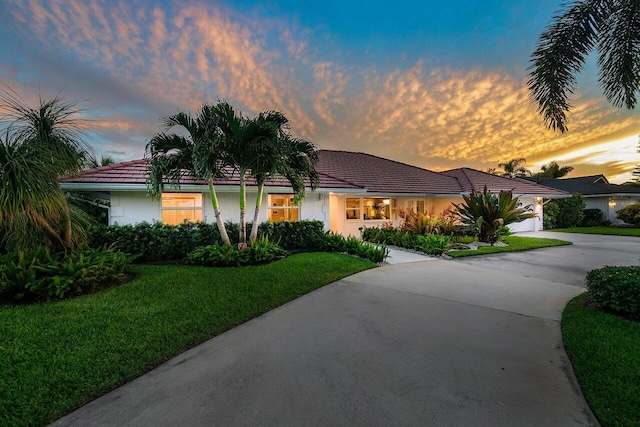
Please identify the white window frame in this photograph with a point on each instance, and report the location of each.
(195, 208)
(293, 206)
(393, 208)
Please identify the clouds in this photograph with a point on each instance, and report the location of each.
(137, 61)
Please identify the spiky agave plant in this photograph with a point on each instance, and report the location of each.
(483, 213)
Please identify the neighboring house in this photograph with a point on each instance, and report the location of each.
(356, 190)
(598, 193)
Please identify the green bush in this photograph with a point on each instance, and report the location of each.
(564, 213)
(293, 236)
(42, 275)
(630, 214)
(484, 213)
(261, 251)
(591, 218)
(433, 244)
(550, 214)
(161, 242)
(333, 242)
(616, 289)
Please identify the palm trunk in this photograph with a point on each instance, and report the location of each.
(256, 215)
(243, 208)
(216, 210)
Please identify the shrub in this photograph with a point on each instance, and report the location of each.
(333, 242)
(564, 213)
(484, 213)
(550, 214)
(630, 214)
(40, 274)
(161, 242)
(445, 223)
(293, 236)
(616, 289)
(591, 218)
(433, 244)
(261, 251)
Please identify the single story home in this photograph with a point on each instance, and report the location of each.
(356, 190)
(598, 193)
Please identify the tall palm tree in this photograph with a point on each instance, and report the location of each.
(610, 27)
(513, 168)
(37, 146)
(291, 158)
(246, 143)
(199, 154)
(553, 170)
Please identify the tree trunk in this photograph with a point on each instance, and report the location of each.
(243, 208)
(256, 215)
(216, 210)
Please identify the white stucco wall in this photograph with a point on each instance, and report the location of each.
(131, 207)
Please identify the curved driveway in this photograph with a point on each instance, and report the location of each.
(472, 342)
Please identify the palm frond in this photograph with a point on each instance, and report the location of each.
(619, 54)
(560, 55)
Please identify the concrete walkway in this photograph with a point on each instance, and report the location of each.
(421, 343)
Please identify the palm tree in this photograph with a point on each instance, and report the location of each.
(246, 143)
(553, 170)
(199, 154)
(513, 168)
(93, 162)
(291, 158)
(610, 27)
(37, 146)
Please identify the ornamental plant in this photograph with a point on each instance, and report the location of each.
(630, 214)
(484, 213)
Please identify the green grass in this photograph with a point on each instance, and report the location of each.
(515, 243)
(612, 231)
(605, 353)
(58, 356)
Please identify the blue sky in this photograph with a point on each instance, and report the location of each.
(432, 84)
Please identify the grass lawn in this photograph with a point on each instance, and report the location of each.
(605, 353)
(613, 231)
(58, 356)
(515, 243)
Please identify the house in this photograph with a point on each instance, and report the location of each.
(598, 193)
(356, 190)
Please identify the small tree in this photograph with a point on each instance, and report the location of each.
(37, 147)
(569, 212)
(483, 213)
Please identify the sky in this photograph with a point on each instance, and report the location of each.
(439, 84)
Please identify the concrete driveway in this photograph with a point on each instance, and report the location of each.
(443, 343)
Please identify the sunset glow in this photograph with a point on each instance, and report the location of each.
(422, 84)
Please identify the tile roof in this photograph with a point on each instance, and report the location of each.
(344, 170)
(594, 185)
(135, 172)
(378, 174)
(472, 179)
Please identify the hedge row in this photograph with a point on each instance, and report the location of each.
(161, 242)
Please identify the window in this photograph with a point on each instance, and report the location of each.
(180, 207)
(372, 208)
(282, 208)
(353, 208)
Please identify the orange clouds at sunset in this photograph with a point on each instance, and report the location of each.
(141, 61)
